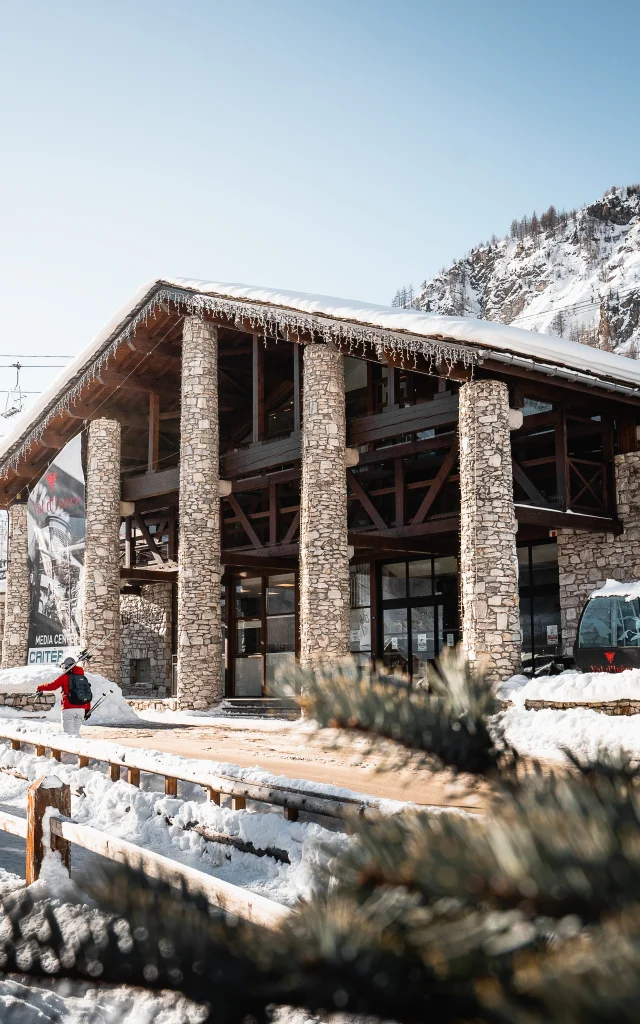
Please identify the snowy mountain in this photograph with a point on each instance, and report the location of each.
(576, 275)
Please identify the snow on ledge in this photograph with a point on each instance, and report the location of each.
(574, 686)
(630, 591)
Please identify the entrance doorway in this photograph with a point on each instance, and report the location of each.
(262, 633)
(419, 604)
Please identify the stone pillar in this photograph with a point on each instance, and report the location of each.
(488, 566)
(200, 678)
(324, 558)
(586, 559)
(18, 595)
(101, 589)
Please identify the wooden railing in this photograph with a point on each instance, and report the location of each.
(293, 801)
(50, 794)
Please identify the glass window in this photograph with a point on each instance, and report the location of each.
(275, 665)
(445, 566)
(248, 676)
(360, 586)
(395, 641)
(248, 636)
(281, 594)
(524, 575)
(394, 581)
(360, 629)
(248, 597)
(281, 633)
(423, 639)
(611, 622)
(420, 582)
(355, 373)
(532, 406)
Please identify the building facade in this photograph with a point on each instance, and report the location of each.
(273, 476)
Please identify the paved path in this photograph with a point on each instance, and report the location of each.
(293, 749)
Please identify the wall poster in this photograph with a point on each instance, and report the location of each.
(56, 525)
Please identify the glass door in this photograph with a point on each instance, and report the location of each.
(419, 612)
(263, 631)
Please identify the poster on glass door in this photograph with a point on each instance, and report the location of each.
(56, 530)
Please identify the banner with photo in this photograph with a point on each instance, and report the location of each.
(56, 522)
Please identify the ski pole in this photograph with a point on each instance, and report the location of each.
(97, 704)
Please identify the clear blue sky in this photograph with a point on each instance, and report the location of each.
(338, 146)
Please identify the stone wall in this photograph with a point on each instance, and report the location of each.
(146, 635)
(200, 676)
(586, 559)
(3, 602)
(153, 703)
(488, 566)
(324, 557)
(17, 606)
(101, 589)
(28, 701)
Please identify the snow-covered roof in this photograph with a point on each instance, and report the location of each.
(470, 338)
(630, 591)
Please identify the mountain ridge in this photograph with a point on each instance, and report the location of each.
(574, 275)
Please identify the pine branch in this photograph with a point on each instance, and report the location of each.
(446, 717)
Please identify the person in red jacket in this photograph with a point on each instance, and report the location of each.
(73, 715)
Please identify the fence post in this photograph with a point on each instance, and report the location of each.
(48, 791)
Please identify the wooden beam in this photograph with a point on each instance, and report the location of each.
(527, 485)
(246, 525)
(365, 501)
(154, 431)
(265, 563)
(562, 466)
(138, 574)
(258, 389)
(273, 516)
(439, 411)
(438, 483)
(148, 485)
(151, 544)
(446, 524)
(398, 471)
(556, 520)
(293, 528)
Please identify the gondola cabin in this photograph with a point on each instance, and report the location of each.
(608, 638)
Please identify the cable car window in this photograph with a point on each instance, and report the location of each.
(610, 622)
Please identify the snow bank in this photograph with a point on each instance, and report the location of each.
(113, 710)
(544, 734)
(581, 687)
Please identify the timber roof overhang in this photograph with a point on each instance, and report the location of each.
(443, 341)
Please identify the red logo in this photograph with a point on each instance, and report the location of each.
(51, 479)
(610, 655)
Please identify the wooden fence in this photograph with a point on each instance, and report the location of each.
(293, 801)
(60, 832)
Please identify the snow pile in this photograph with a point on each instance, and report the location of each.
(580, 687)
(113, 710)
(546, 734)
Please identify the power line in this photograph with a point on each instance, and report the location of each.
(35, 366)
(15, 355)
